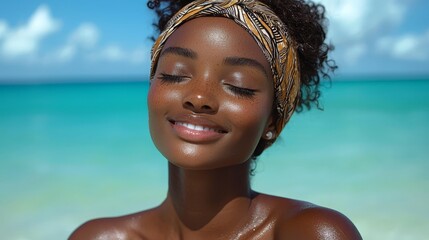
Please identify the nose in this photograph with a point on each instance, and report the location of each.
(201, 99)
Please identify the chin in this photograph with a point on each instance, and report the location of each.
(197, 157)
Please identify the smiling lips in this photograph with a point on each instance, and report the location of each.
(191, 126)
(197, 130)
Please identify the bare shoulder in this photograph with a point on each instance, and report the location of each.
(307, 221)
(127, 227)
(104, 229)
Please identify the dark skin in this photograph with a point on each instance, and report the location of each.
(199, 80)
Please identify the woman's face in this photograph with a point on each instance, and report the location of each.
(211, 97)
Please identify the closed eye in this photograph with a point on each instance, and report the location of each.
(242, 92)
(168, 78)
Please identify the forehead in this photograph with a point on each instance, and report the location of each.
(219, 33)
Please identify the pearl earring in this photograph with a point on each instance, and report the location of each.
(269, 135)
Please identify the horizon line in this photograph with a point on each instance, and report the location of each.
(145, 78)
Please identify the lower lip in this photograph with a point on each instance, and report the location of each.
(195, 136)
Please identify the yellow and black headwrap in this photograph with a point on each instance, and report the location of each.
(269, 33)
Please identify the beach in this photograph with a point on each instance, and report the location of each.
(76, 151)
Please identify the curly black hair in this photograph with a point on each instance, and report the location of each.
(306, 23)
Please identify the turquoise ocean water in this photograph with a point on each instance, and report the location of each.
(72, 152)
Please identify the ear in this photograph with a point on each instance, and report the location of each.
(270, 132)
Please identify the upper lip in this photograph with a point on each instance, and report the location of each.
(197, 120)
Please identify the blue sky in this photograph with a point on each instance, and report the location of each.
(81, 39)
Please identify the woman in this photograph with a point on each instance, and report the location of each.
(226, 77)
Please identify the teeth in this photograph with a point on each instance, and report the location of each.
(195, 127)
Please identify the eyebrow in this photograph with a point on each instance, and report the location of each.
(184, 52)
(231, 61)
(240, 61)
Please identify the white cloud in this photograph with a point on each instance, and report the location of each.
(354, 52)
(115, 53)
(139, 55)
(65, 53)
(346, 17)
(86, 35)
(3, 29)
(82, 43)
(84, 38)
(351, 19)
(24, 40)
(355, 25)
(112, 53)
(406, 47)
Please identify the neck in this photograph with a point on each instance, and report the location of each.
(198, 196)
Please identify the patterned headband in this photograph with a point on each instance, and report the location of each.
(268, 31)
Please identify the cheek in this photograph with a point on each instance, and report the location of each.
(158, 96)
(153, 107)
(250, 115)
(159, 100)
(151, 97)
(250, 121)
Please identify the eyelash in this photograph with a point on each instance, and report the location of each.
(242, 92)
(168, 78)
(239, 91)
